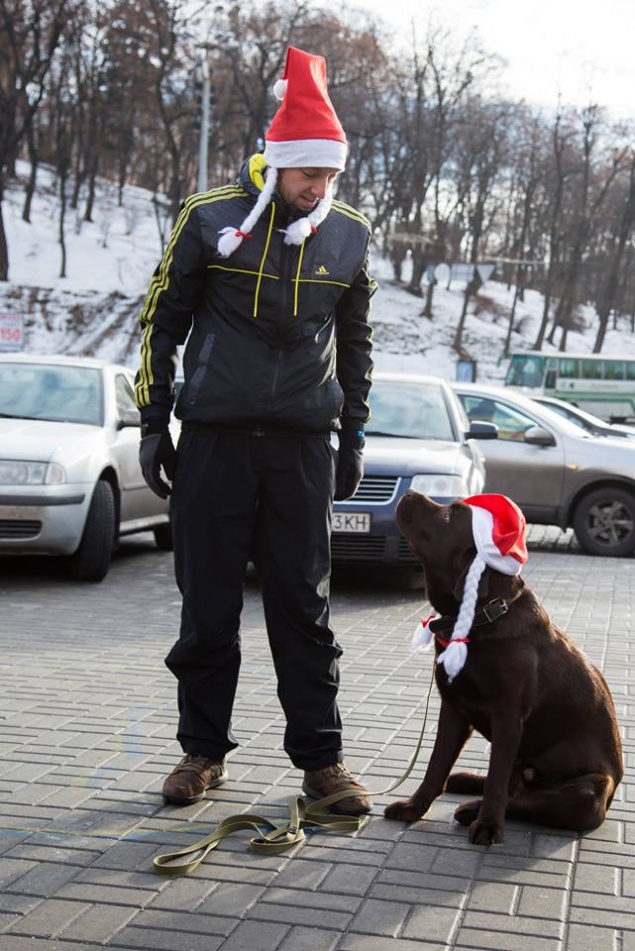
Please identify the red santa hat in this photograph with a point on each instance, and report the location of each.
(498, 529)
(304, 133)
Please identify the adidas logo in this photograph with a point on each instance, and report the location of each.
(321, 270)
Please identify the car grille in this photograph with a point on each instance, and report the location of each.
(376, 489)
(352, 548)
(19, 528)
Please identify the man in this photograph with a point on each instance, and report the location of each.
(278, 357)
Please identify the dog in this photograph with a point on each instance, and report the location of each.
(511, 675)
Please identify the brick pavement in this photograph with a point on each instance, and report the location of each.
(88, 719)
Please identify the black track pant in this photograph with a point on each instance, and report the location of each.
(268, 498)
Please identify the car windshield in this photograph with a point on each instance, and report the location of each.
(48, 391)
(408, 409)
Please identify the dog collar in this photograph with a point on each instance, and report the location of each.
(489, 613)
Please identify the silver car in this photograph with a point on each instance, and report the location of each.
(70, 481)
(592, 424)
(558, 473)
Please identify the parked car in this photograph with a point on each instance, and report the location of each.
(556, 472)
(592, 424)
(418, 437)
(70, 481)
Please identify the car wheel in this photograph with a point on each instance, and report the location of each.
(163, 537)
(604, 522)
(92, 559)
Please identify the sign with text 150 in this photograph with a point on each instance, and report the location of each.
(11, 331)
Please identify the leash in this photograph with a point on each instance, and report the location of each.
(273, 839)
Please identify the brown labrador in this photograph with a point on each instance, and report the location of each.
(556, 754)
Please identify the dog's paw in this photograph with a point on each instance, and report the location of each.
(482, 834)
(467, 812)
(404, 810)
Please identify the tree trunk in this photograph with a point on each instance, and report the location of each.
(4, 251)
(30, 188)
(427, 310)
(62, 238)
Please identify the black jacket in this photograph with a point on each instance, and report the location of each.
(278, 334)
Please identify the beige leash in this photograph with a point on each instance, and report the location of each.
(273, 839)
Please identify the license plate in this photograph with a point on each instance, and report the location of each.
(351, 521)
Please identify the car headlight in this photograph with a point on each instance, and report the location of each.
(16, 472)
(440, 486)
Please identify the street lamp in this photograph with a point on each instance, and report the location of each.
(203, 144)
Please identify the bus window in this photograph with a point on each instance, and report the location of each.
(630, 370)
(591, 369)
(568, 368)
(614, 371)
(525, 370)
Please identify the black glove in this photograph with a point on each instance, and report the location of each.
(350, 463)
(156, 450)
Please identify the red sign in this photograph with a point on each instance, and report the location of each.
(11, 332)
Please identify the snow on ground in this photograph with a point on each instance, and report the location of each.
(94, 309)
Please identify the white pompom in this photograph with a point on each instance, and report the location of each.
(280, 88)
(422, 635)
(298, 231)
(229, 242)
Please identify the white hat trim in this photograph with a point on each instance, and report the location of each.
(483, 531)
(306, 153)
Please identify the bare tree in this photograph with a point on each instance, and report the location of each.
(29, 34)
(483, 146)
(609, 291)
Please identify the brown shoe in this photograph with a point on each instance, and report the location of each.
(334, 779)
(194, 774)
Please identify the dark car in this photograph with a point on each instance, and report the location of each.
(418, 437)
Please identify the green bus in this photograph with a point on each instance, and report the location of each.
(600, 384)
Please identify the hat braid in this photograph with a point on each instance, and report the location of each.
(454, 656)
(232, 238)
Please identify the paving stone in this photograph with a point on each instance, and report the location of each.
(49, 918)
(380, 917)
(256, 936)
(45, 879)
(99, 924)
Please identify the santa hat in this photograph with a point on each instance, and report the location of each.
(498, 528)
(304, 133)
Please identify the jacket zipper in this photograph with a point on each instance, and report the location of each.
(285, 271)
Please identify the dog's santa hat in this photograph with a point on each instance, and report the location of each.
(304, 133)
(498, 529)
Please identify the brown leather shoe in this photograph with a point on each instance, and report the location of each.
(334, 779)
(194, 774)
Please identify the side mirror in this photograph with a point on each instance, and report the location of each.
(537, 436)
(482, 430)
(131, 417)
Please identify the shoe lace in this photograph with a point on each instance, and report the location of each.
(195, 764)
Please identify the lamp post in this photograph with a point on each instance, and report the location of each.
(205, 109)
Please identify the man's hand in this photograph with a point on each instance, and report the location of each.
(157, 450)
(350, 463)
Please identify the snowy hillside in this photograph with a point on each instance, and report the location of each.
(93, 310)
